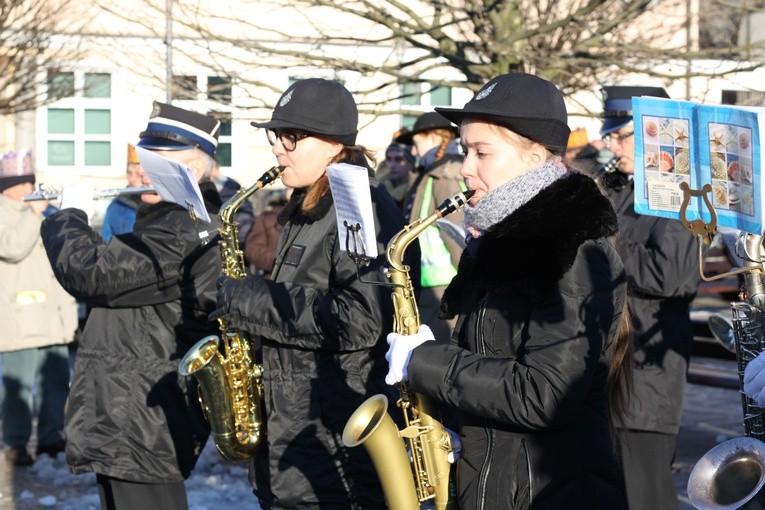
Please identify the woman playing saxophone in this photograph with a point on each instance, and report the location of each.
(536, 362)
(322, 325)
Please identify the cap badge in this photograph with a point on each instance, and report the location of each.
(286, 98)
(155, 110)
(482, 94)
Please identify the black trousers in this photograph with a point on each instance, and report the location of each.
(118, 494)
(647, 462)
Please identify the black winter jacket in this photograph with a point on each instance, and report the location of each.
(323, 333)
(539, 301)
(130, 414)
(661, 259)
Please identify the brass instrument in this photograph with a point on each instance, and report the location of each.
(406, 485)
(732, 474)
(43, 194)
(230, 384)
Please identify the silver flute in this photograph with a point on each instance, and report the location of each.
(43, 194)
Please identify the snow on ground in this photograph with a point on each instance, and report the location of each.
(214, 484)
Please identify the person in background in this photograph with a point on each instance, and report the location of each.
(120, 214)
(264, 235)
(538, 365)
(244, 216)
(37, 321)
(583, 154)
(437, 178)
(132, 419)
(398, 167)
(661, 259)
(321, 322)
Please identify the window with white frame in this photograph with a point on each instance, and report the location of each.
(412, 95)
(215, 92)
(79, 122)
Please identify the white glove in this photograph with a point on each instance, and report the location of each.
(754, 379)
(400, 351)
(454, 455)
(79, 196)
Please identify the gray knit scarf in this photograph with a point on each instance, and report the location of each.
(499, 203)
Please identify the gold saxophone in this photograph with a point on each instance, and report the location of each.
(406, 484)
(230, 384)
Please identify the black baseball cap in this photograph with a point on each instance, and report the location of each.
(526, 104)
(617, 104)
(171, 129)
(317, 106)
(427, 122)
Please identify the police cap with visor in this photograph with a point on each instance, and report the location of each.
(617, 104)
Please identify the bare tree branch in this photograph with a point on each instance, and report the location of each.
(577, 44)
(33, 48)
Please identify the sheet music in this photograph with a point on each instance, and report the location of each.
(174, 182)
(353, 203)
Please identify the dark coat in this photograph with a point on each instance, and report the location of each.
(539, 301)
(323, 332)
(262, 239)
(661, 259)
(130, 414)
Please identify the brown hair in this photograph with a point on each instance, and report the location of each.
(353, 154)
(620, 374)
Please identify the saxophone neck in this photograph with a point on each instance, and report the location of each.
(397, 246)
(228, 209)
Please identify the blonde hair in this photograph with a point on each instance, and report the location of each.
(447, 135)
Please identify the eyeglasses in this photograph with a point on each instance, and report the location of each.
(616, 137)
(288, 139)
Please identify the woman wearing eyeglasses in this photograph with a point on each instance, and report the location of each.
(322, 328)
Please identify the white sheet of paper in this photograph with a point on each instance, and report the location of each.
(353, 204)
(173, 181)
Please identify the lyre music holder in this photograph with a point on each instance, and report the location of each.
(354, 245)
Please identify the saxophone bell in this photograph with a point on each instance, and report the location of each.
(732, 474)
(371, 426)
(205, 362)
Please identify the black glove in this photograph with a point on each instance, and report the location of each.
(226, 288)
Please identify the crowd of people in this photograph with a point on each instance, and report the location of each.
(555, 334)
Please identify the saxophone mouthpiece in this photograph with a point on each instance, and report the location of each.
(454, 203)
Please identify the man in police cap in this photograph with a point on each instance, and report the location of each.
(131, 419)
(660, 257)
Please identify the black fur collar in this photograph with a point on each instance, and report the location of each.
(539, 241)
(292, 207)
